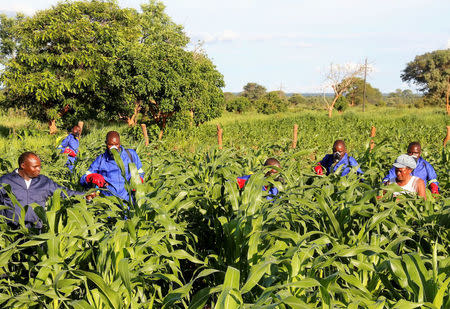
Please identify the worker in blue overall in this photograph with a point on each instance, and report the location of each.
(272, 191)
(423, 169)
(70, 146)
(338, 160)
(105, 173)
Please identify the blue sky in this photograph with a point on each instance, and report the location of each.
(288, 44)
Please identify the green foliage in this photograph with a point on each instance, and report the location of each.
(272, 102)
(297, 99)
(253, 91)
(56, 67)
(403, 97)
(238, 104)
(431, 72)
(355, 93)
(192, 238)
(94, 60)
(341, 104)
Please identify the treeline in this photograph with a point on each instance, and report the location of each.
(255, 97)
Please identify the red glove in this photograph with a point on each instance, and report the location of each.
(142, 179)
(318, 169)
(70, 152)
(434, 188)
(96, 179)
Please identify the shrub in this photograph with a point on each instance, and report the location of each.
(238, 104)
(272, 103)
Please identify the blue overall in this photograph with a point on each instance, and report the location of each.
(347, 162)
(272, 191)
(105, 165)
(73, 143)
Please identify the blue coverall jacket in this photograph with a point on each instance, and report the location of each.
(347, 162)
(40, 189)
(73, 143)
(105, 165)
(423, 170)
(272, 191)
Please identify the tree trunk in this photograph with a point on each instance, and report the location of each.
(52, 126)
(330, 112)
(132, 121)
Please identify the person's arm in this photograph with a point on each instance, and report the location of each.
(138, 163)
(93, 169)
(421, 188)
(390, 175)
(432, 178)
(64, 144)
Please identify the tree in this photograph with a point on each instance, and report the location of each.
(238, 104)
(340, 78)
(297, 99)
(157, 76)
(272, 102)
(431, 72)
(55, 58)
(253, 91)
(92, 59)
(354, 93)
(341, 104)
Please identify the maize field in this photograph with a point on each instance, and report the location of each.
(191, 238)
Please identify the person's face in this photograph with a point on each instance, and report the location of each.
(414, 151)
(271, 172)
(339, 151)
(31, 167)
(402, 173)
(76, 131)
(113, 141)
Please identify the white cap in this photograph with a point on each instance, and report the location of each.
(405, 160)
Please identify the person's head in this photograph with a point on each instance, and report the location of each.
(76, 131)
(414, 150)
(339, 150)
(112, 140)
(404, 165)
(29, 165)
(272, 162)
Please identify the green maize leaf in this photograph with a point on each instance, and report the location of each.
(124, 273)
(230, 298)
(111, 296)
(439, 298)
(256, 273)
(404, 304)
(232, 194)
(201, 297)
(81, 304)
(294, 302)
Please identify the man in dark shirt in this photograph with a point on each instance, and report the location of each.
(29, 187)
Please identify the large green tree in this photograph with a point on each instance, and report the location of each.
(431, 72)
(54, 59)
(92, 59)
(253, 91)
(355, 92)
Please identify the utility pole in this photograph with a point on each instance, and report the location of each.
(364, 90)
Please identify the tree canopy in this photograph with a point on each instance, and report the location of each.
(354, 93)
(253, 91)
(93, 59)
(431, 72)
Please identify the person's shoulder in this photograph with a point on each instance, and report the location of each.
(352, 159)
(6, 177)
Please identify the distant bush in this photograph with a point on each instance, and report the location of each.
(297, 99)
(272, 103)
(341, 104)
(238, 104)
